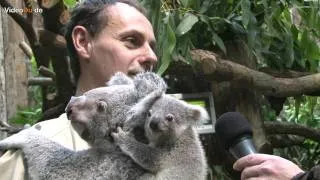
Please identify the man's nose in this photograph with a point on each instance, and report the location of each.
(149, 59)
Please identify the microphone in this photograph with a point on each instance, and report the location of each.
(235, 133)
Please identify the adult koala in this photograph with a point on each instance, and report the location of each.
(111, 103)
(94, 115)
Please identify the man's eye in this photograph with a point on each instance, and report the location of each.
(132, 42)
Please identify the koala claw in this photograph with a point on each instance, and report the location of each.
(120, 136)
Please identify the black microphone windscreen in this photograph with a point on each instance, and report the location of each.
(230, 127)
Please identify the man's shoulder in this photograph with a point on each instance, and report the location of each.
(52, 127)
(61, 131)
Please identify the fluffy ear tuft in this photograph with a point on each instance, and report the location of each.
(148, 82)
(198, 113)
(119, 78)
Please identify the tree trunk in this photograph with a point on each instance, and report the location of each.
(3, 107)
(13, 66)
(229, 97)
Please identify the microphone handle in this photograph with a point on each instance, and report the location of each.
(243, 148)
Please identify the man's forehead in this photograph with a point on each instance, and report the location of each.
(123, 18)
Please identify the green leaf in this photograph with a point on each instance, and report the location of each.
(289, 51)
(246, 13)
(219, 42)
(70, 3)
(205, 6)
(186, 24)
(168, 47)
(313, 51)
(297, 102)
(185, 3)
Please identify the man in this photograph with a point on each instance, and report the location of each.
(103, 37)
(271, 167)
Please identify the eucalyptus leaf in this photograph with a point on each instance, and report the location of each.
(205, 6)
(246, 13)
(186, 24)
(168, 47)
(70, 3)
(219, 42)
(184, 3)
(289, 51)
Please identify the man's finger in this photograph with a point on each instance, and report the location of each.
(249, 160)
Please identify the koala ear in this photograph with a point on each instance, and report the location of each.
(198, 113)
(119, 78)
(102, 106)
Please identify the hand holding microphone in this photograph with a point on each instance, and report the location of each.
(235, 133)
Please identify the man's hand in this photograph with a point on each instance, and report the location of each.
(263, 166)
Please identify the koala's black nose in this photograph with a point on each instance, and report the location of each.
(154, 125)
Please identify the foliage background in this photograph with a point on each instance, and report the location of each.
(281, 35)
(278, 35)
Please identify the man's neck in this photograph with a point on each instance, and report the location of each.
(84, 84)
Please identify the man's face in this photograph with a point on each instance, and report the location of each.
(125, 44)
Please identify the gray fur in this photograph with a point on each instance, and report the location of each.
(94, 115)
(47, 160)
(113, 102)
(174, 150)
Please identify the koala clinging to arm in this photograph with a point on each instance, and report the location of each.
(48, 160)
(174, 150)
(94, 115)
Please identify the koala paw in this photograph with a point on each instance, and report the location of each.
(120, 137)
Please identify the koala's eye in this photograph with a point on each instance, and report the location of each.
(169, 117)
(149, 113)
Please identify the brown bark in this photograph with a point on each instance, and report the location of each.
(284, 140)
(218, 69)
(40, 81)
(49, 3)
(52, 40)
(294, 129)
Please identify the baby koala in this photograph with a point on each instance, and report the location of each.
(174, 150)
(99, 111)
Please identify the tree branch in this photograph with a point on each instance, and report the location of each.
(48, 38)
(293, 129)
(222, 70)
(283, 141)
(8, 128)
(44, 71)
(22, 22)
(26, 49)
(53, 112)
(284, 74)
(49, 3)
(42, 81)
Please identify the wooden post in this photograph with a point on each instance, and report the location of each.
(3, 105)
(13, 66)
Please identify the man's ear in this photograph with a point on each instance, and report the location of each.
(82, 41)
